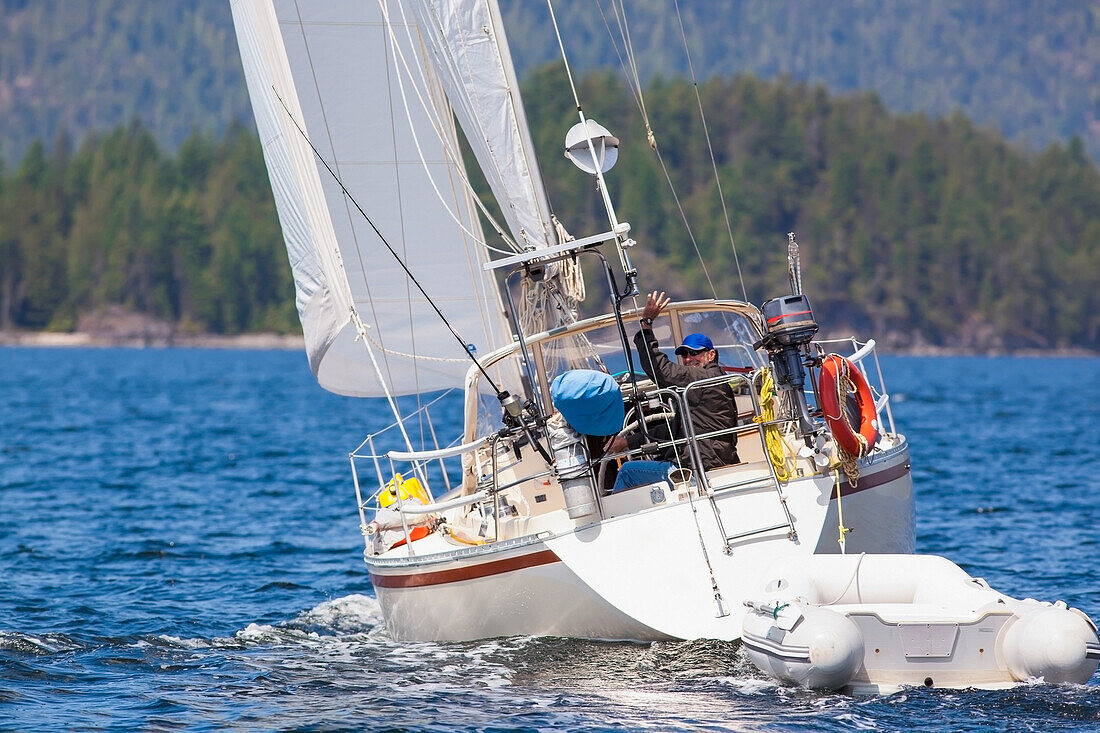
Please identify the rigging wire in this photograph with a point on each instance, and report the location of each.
(634, 81)
(423, 408)
(453, 155)
(564, 58)
(601, 183)
(403, 221)
(624, 32)
(361, 328)
(408, 273)
(710, 149)
(455, 169)
(563, 286)
(570, 285)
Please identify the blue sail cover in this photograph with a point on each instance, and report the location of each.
(590, 401)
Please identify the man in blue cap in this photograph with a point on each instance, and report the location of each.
(712, 408)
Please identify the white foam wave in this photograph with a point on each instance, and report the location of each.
(750, 685)
(860, 722)
(258, 634)
(25, 643)
(329, 621)
(183, 643)
(352, 614)
(348, 616)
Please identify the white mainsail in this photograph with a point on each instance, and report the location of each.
(330, 69)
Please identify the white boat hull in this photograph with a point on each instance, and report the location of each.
(524, 590)
(651, 574)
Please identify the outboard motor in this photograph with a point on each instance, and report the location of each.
(789, 325)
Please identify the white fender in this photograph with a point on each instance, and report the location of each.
(805, 645)
(1055, 643)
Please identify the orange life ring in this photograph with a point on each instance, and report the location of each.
(848, 406)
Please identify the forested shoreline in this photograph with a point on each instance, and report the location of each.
(930, 230)
(189, 239)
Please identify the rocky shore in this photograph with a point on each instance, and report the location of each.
(295, 342)
(198, 341)
(116, 327)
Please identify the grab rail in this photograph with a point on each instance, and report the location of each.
(776, 484)
(431, 455)
(864, 351)
(443, 505)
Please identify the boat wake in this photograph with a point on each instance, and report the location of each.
(352, 628)
(337, 662)
(352, 618)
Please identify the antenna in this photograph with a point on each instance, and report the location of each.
(584, 136)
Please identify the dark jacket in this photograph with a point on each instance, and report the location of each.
(712, 408)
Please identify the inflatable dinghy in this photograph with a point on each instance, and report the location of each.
(876, 623)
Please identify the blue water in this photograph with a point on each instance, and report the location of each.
(179, 550)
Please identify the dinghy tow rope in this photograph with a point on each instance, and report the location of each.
(855, 572)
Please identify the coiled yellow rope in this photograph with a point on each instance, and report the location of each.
(773, 437)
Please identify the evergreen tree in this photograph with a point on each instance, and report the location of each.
(927, 229)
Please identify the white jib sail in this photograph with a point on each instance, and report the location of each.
(469, 50)
(330, 68)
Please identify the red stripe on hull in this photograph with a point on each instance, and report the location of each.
(415, 580)
(869, 482)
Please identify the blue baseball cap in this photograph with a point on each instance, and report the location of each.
(694, 342)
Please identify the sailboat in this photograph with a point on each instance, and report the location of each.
(510, 527)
